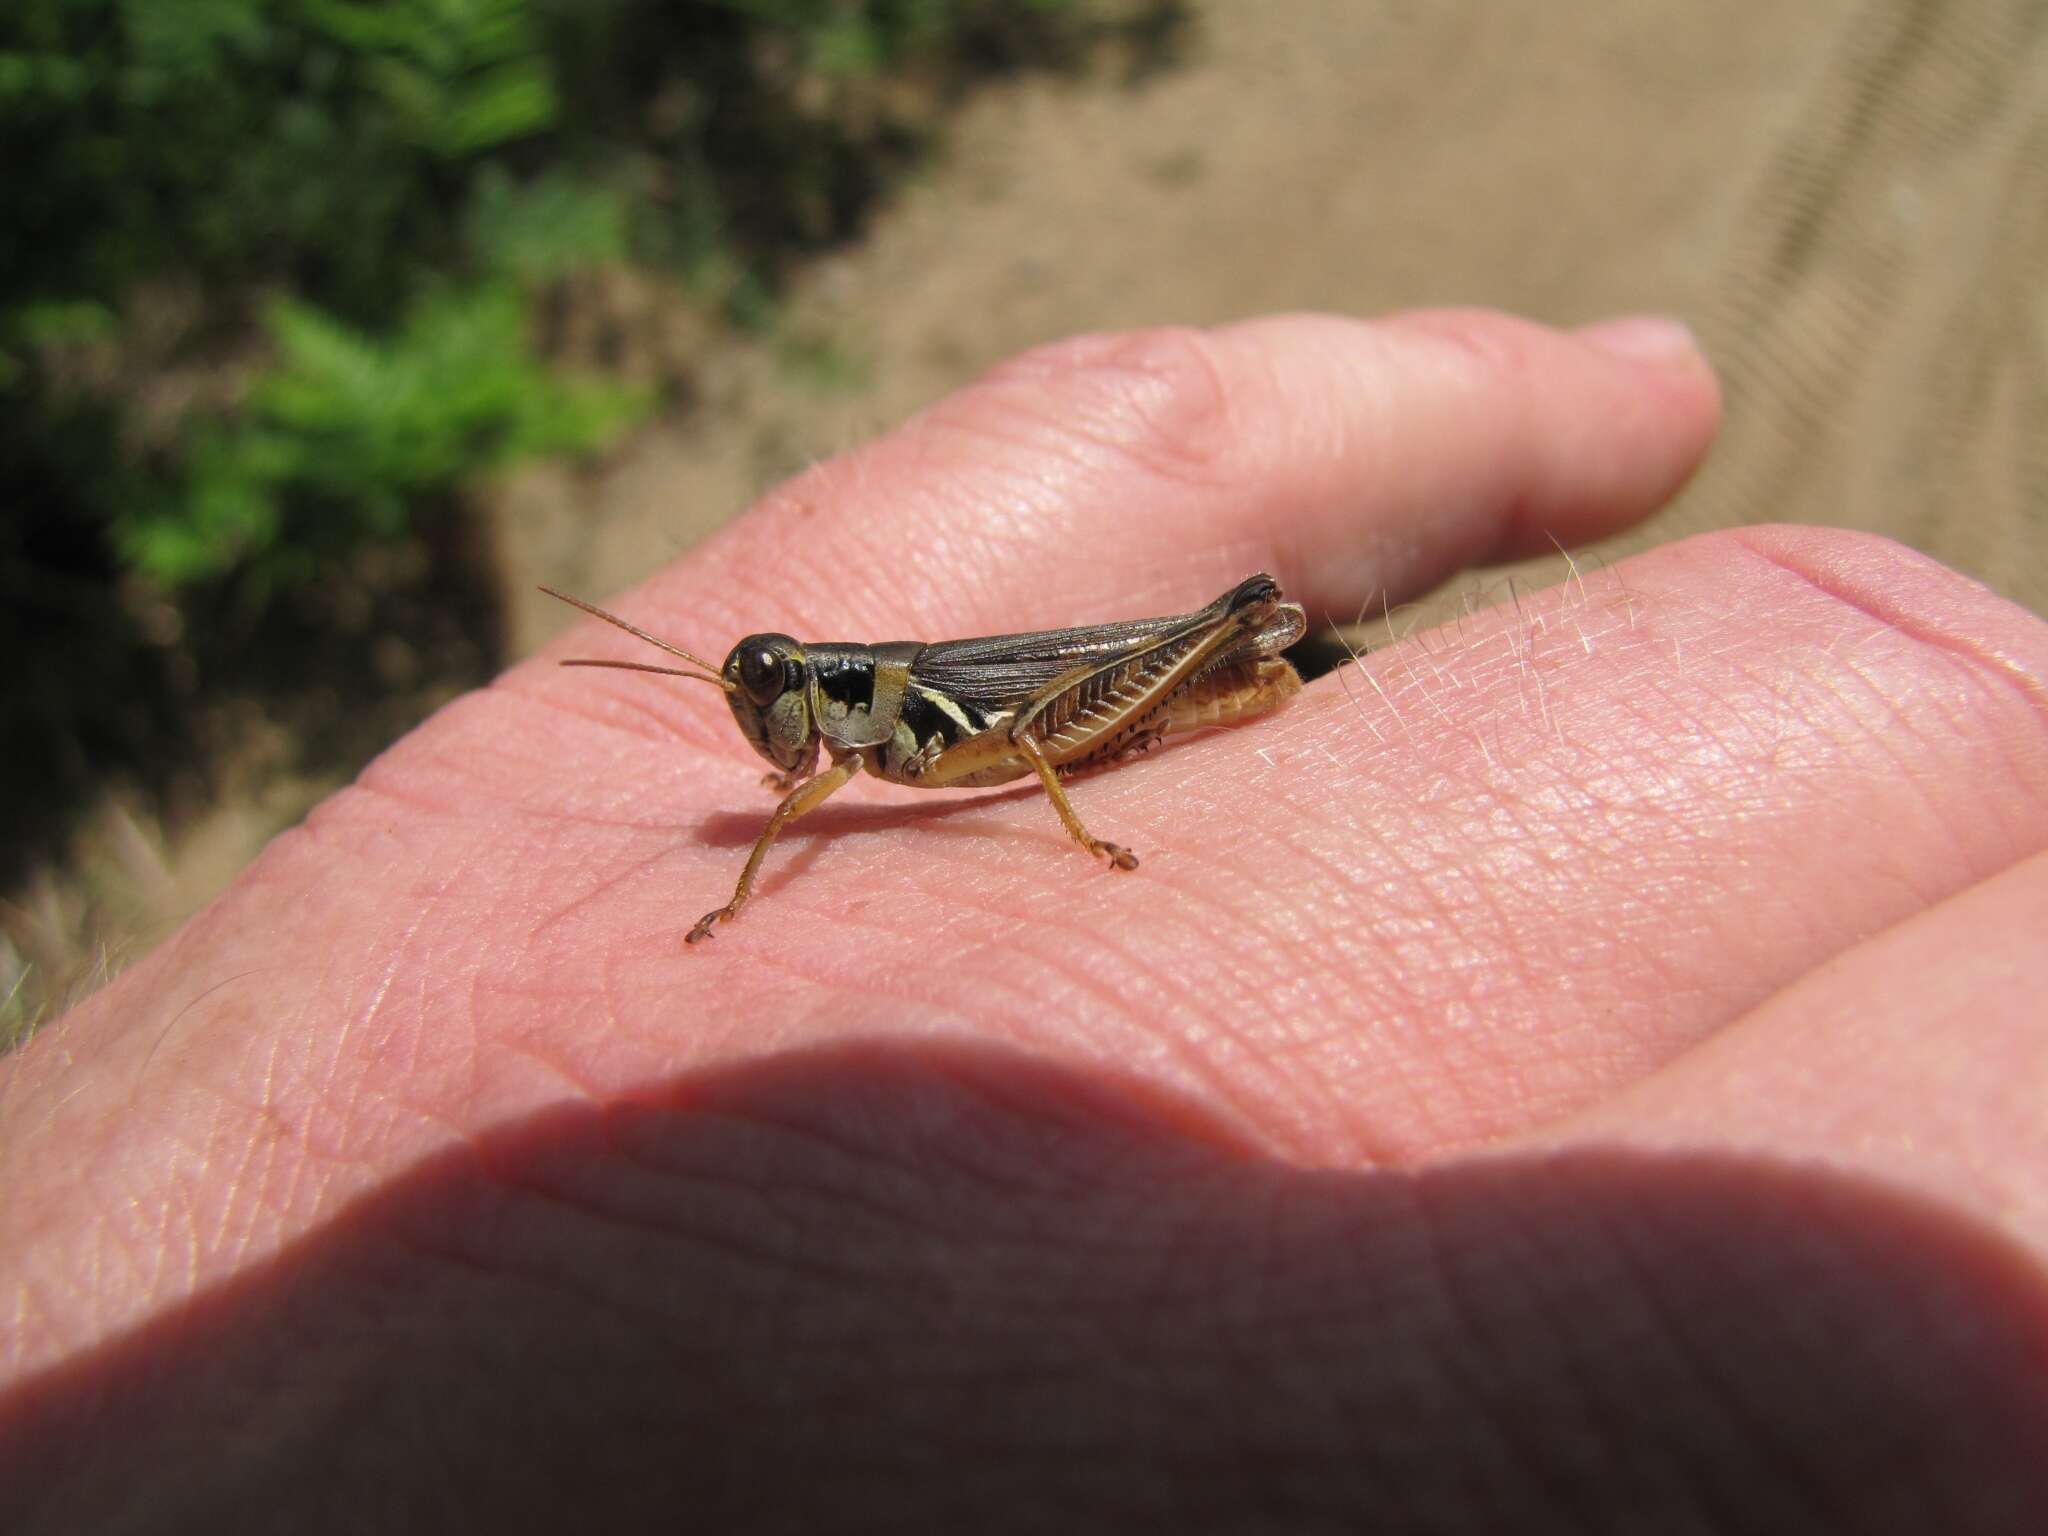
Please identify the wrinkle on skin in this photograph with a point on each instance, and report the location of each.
(1158, 401)
(647, 717)
(1868, 577)
(1892, 1058)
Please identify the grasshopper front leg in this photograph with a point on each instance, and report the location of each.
(806, 797)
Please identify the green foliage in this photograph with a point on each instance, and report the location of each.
(868, 38)
(267, 264)
(459, 76)
(406, 173)
(545, 228)
(350, 430)
(305, 140)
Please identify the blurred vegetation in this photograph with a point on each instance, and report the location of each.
(268, 285)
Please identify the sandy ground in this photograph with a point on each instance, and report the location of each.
(1847, 198)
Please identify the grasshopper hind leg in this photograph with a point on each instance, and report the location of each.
(1235, 691)
(1119, 856)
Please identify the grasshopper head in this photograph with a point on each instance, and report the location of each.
(765, 685)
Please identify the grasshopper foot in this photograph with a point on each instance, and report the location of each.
(704, 923)
(1119, 856)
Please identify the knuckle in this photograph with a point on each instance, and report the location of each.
(1159, 398)
(1945, 616)
(1487, 348)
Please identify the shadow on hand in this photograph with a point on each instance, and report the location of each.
(899, 1283)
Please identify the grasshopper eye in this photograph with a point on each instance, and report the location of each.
(761, 675)
(766, 667)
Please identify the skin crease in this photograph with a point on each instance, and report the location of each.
(1580, 1069)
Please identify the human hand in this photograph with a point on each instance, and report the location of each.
(1583, 1069)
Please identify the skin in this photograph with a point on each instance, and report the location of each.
(1583, 1071)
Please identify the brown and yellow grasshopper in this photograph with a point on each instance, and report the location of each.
(964, 714)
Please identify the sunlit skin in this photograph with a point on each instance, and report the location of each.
(1585, 1063)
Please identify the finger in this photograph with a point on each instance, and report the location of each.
(1137, 473)
(1916, 1058)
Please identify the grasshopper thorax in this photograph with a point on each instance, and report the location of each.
(770, 698)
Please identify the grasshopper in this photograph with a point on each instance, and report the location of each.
(964, 714)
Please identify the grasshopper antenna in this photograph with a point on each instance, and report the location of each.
(710, 674)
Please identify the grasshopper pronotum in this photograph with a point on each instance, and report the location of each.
(963, 714)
